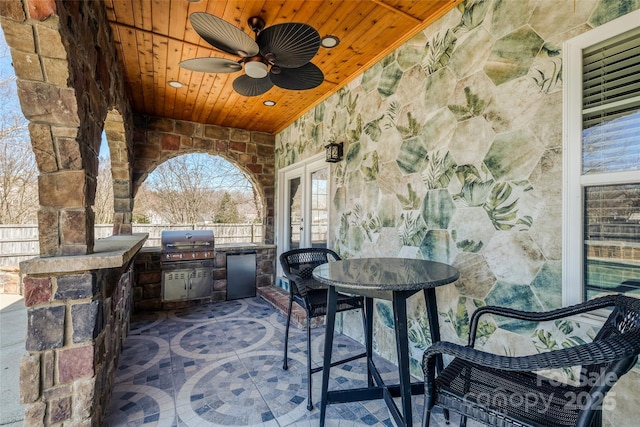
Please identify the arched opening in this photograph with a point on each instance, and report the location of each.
(114, 187)
(103, 204)
(200, 190)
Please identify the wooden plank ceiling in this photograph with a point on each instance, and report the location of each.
(152, 37)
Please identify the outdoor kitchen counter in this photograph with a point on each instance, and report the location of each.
(233, 247)
(147, 292)
(109, 252)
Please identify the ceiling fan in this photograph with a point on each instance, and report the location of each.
(279, 56)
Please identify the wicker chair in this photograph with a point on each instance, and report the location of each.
(506, 391)
(298, 265)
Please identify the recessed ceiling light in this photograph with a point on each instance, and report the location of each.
(176, 84)
(329, 41)
(269, 103)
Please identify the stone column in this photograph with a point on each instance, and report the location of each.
(78, 307)
(119, 143)
(76, 326)
(66, 186)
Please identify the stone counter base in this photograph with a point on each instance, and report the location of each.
(147, 286)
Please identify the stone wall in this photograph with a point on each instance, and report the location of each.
(159, 139)
(68, 80)
(76, 326)
(147, 288)
(71, 88)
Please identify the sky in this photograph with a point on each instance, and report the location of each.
(6, 72)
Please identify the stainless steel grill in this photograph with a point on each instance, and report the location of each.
(187, 264)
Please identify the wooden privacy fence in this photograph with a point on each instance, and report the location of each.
(19, 242)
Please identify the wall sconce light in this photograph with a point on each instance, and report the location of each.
(333, 152)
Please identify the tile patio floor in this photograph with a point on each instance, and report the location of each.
(221, 365)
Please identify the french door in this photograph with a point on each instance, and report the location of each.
(304, 206)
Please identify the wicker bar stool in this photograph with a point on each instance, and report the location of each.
(298, 265)
(506, 391)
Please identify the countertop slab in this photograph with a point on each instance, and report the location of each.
(109, 252)
(231, 247)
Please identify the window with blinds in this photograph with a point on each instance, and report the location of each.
(611, 105)
(610, 146)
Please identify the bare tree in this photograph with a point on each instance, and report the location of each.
(18, 169)
(248, 206)
(187, 189)
(103, 205)
(13, 125)
(18, 183)
(142, 207)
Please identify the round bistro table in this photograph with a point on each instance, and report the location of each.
(391, 279)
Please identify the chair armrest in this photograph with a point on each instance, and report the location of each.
(303, 285)
(294, 282)
(606, 350)
(292, 277)
(585, 307)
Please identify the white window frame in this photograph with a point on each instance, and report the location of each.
(573, 180)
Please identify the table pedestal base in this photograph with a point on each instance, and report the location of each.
(377, 389)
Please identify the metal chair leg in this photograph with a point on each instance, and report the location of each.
(426, 417)
(309, 400)
(285, 365)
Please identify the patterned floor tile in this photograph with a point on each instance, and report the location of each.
(221, 365)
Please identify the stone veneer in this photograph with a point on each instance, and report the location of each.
(160, 139)
(66, 378)
(78, 311)
(71, 89)
(147, 288)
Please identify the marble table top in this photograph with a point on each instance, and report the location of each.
(372, 275)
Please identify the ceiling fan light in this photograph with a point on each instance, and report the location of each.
(255, 69)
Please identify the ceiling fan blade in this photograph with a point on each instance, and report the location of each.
(222, 35)
(306, 77)
(293, 43)
(248, 86)
(211, 65)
